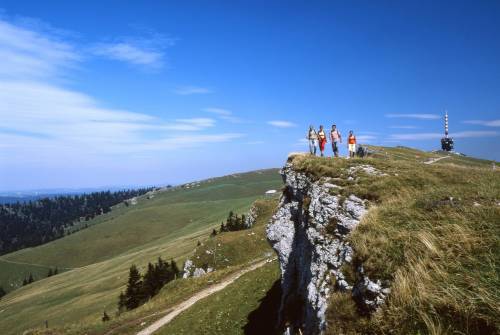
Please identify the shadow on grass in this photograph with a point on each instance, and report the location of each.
(264, 319)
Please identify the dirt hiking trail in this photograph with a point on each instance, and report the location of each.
(178, 309)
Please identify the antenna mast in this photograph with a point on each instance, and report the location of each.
(446, 124)
(446, 141)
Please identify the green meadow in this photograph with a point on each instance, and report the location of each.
(96, 260)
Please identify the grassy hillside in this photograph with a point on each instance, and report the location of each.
(433, 231)
(240, 248)
(248, 306)
(169, 225)
(169, 215)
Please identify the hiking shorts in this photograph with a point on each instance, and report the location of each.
(352, 147)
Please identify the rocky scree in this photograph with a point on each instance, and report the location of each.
(310, 258)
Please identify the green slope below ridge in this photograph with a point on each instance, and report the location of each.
(168, 225)
(173, 213)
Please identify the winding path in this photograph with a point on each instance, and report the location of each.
(434, 160)
(178, 309)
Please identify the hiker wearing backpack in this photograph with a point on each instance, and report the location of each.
(335, 137)
(312, 137)
(322, 140)
(351, 144)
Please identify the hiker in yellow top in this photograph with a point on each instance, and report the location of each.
(312, 137)
(352, 144)
(335, 137)
(322, 140)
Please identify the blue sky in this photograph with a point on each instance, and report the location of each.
(151, 92)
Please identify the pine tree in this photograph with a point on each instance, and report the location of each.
(50, 273)
(25, 282)
(164, 273)
(230, 220)
(105, 317)
(150, 284)
(56, 271)
(174, 268)
(214, 233)
(122, 302)
(133, 293)
(2, 292)
(223, 227)
(30, 279)
(198, 244)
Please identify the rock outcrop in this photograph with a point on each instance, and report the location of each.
(190, 270)
(251, 217)
(309, 233)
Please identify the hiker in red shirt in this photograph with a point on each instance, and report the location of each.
(351, 144)
(321, 140)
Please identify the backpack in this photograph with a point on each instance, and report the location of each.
(362, 151)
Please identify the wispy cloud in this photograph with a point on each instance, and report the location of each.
(130, 53)
(431, 136)
(147, 51)
(403, 127)
(281, 124)
(223, 114)
(218, 111)
(191, 124)
(190, 90)
(415, 116)
(53, 121)
(28, 54)
(487, 123)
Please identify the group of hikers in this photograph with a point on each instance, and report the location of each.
(319, 138)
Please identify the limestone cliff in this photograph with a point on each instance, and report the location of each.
(309, 233)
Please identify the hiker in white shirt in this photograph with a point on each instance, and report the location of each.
(335, 137)
(312, 137)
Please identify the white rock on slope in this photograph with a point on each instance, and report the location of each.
(251, 217)
(198, 272)
(188, 268)
(310, 259)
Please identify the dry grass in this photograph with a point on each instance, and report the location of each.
(433, 231)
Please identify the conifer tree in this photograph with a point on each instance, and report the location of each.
(164, 272)
(56, 271)
(174, 268)
(222, 227)
(105, 317)
(50, 273)
(25, 282)
(30, 279)
(2, 292)
(150, 284)
(122, 302)
(133, 293)
(214, 233)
